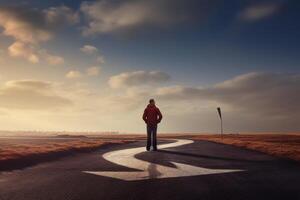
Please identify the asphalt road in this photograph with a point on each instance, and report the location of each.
(259, 176)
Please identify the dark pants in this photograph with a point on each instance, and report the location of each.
(151, 136)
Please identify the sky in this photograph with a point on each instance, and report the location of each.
(71, 65)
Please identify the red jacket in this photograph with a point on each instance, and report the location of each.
(152, 115)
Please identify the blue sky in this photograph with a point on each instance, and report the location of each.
(197, 49)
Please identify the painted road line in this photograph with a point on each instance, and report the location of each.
(148, 170)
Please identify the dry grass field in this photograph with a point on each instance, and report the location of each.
(280, 145)
(18, 152)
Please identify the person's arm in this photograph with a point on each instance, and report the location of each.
(145, 116)
(159, 115)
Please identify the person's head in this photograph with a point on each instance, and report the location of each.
(152, 102)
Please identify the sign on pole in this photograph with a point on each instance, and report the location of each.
(219, 111)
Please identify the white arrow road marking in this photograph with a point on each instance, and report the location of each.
(126, 157)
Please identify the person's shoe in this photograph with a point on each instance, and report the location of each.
(155, 149)
(148, 149)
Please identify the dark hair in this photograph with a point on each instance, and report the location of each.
(151, 100)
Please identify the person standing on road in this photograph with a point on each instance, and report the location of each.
(152, 116)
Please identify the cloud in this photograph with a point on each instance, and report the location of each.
(29, 84)
(89, 49)
(24, 50)
(112, 16)
(31, 94)
(273, 95)
(130, 100)
(93, 71)
(32, 54)
(51, 59)
(259, 11)
(59, 16)
(30, 27)
(74, 74)
(100, 59)
(137, 78)
(24, 25)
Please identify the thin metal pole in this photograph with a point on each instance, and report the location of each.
(221, 128)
